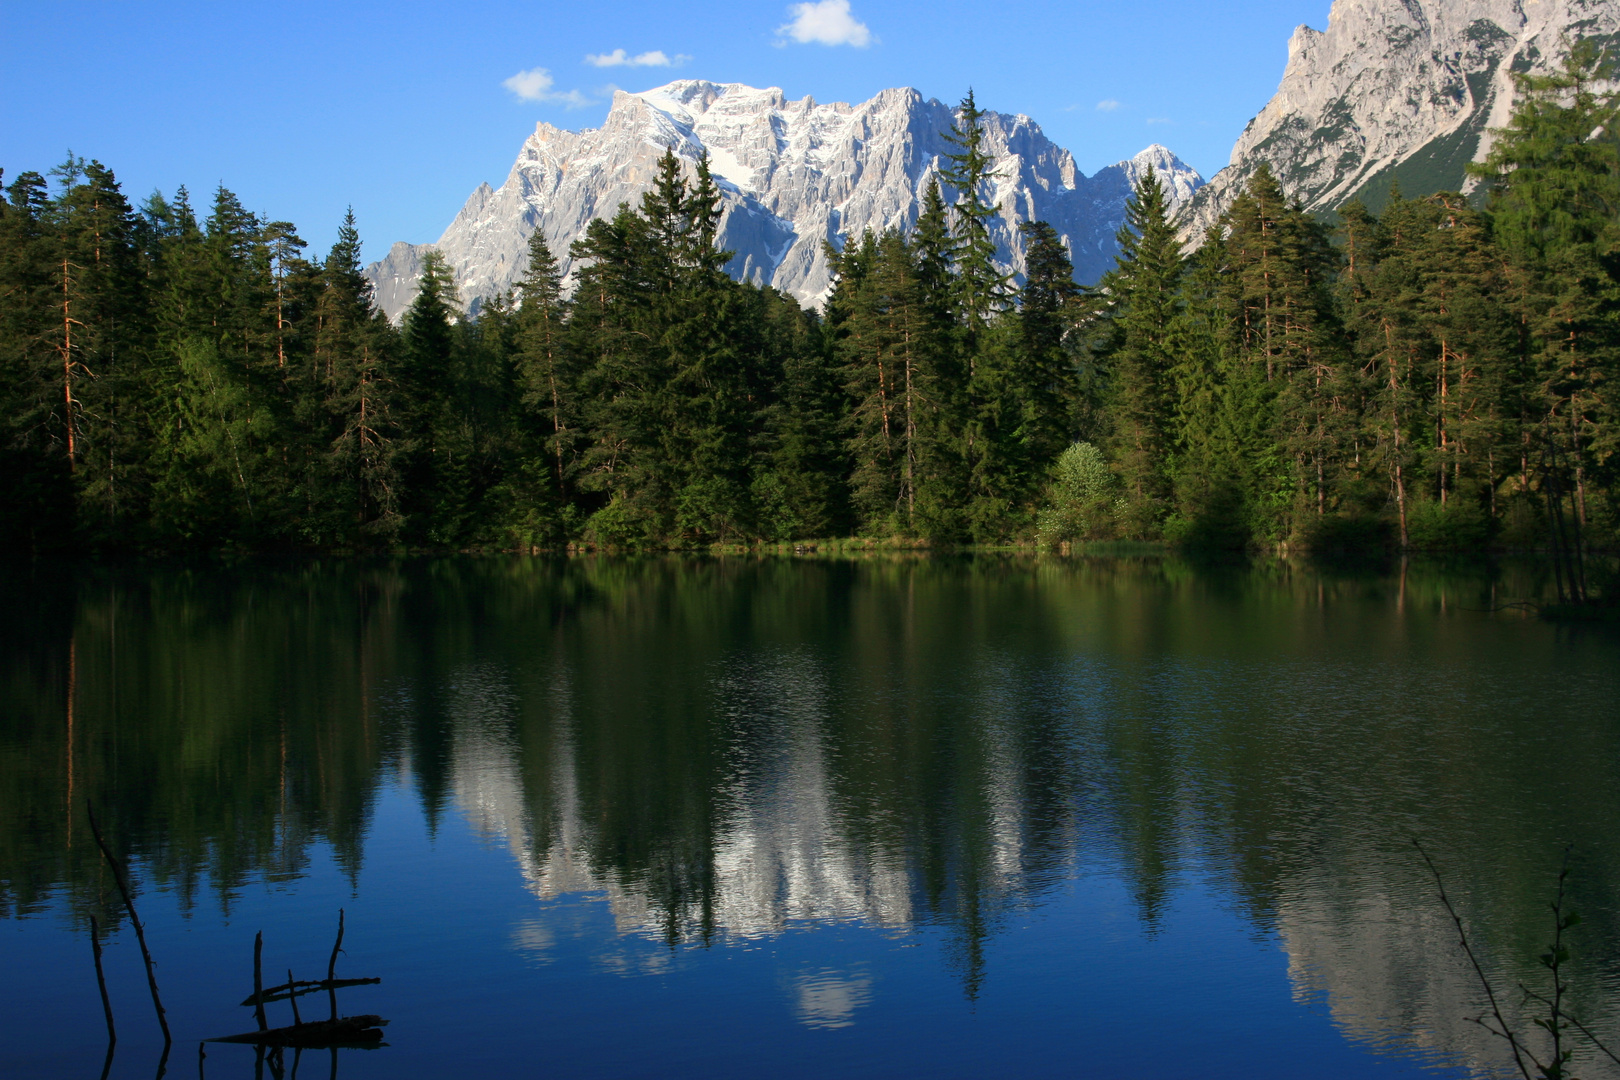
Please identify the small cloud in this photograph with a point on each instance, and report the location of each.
(827, 22)
(531, 85)
(1107, 105)
(620, 58)
(1160, 120)
(536, 85)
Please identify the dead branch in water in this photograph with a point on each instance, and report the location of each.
(317, 1034)
(304, 986)
(101, 982)
(135, 920)
(331, 965)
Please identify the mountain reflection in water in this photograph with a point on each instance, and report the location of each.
(728, 752)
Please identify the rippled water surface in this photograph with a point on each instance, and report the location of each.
(951, 817)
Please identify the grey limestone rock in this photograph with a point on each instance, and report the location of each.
(1396, 91)
(793, 174)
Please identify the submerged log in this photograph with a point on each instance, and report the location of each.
(316, 1034)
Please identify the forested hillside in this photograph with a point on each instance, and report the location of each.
(1434, 376)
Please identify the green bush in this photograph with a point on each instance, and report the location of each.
(1083, 500)
(1346, 534)
(1522, 523)
(1458, 525)
(1216, 520)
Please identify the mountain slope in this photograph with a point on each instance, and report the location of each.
(793, 174)
(1397, 91)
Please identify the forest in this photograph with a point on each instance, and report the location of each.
(1432, 373)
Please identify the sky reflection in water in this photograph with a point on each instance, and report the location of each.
(727, 817)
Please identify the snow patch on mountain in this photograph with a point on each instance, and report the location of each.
(793, 174)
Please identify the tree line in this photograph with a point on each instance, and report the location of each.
(1435, 374)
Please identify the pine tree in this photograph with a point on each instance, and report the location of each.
(354, 487)
(981, 286)
(546, 372)
(432, 459)
(1046, 308)
(799, 493)
(102, 335)
(1554, 176)
(858, 314)
(1280, 267)
(38, 507)
(1144, 300)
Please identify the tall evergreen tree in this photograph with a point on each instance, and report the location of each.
(1047, 306)
(354, 486)
(1554, 176)
(981, 286)
(102, 336)
(1144, 300)
(38, 512)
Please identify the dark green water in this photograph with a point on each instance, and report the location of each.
(796, 817)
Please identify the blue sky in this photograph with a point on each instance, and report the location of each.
(402, 108)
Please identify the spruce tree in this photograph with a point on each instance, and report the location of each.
(1047, 306)
(1277, 292)
(38, 508)
(546, 373)
(1554, 180)
(355, 485)
(980, 285)
(1143, 295)
(102, 335)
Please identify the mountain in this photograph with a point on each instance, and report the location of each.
(793, 174)
(1397, 91)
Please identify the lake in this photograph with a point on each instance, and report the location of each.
(955, 817)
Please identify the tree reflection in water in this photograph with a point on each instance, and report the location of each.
(729, 749)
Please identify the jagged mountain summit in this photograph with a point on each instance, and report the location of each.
(793, 174)
(1397, 91)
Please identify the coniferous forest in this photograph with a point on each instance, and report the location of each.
(1436, 372)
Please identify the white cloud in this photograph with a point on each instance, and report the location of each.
(1107, 105)
(827, 22)
(620, 58)
(536, 85)
(532, 85)
(1160, 120)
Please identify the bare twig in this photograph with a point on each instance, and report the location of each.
(1553, 960)
(331, 965)
(101, 982)
(304, 986)
(258, 981)
(1501, 1031)
(140, 931)
(1582, 1028)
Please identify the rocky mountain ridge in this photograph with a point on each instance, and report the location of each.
(793, 173)
(1397, 91)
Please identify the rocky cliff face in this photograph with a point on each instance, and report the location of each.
(793, 174)
(1397, 91)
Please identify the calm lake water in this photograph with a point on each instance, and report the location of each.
(734, 817)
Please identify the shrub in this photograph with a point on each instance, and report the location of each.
(1458, 525)
(1345, 534)
(1083, 500)
(1216, 520)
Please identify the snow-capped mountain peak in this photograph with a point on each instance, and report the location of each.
(793, 173)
